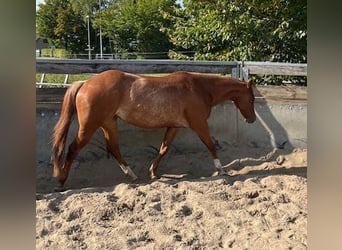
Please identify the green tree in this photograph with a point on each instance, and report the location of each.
(92, 9)
(85, 7)
(46, 20)
(137, 25)
(254, 30)
(57, 21)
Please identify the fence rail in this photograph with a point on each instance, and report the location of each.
(237, 69)
(272, 68)
(54, 66)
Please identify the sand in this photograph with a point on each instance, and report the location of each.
(260, 204)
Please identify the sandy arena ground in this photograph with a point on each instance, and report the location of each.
(260, 204)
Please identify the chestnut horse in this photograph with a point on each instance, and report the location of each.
(178, 100)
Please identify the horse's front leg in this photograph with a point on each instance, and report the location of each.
(202, 130)
(168, 138)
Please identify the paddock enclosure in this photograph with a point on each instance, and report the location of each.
(260, 204)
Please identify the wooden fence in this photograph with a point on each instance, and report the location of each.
(271, 68)
(237, 69)
(132, 66)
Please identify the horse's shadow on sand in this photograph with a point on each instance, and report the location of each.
(228, 179)
(172, 180)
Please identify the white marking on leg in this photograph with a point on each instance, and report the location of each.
(218, 165)
(127, 170)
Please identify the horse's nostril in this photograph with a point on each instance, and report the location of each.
(250, 119)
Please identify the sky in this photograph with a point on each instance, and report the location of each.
(38, 2)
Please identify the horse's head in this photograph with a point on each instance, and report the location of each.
(244, 101)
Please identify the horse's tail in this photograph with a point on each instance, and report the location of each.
(61, 129)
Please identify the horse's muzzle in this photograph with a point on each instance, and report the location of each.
(250, 119)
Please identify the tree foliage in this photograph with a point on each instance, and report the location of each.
(85, 7)
(57, 21)
(137, 25)
(255, 30)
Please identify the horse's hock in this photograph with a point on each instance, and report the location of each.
(281, 122)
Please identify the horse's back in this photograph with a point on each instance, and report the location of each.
(163, 101)
(143, 101)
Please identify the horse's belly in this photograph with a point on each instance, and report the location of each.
(153, 118)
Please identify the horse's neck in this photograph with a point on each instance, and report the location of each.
(223, 89)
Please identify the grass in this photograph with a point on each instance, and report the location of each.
(59, 78)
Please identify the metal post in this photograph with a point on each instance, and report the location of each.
(89, 51)
(100, 33)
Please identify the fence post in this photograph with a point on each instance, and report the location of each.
(244, 73)
(42, 78)
(236, 71)
(66, 78)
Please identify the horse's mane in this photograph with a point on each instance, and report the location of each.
(217, 78)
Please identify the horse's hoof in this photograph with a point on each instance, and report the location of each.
(216, 173)
(223, 173)
(135, 180)
(59, 189)
(133, 177)
(154, 177)
(219, 173)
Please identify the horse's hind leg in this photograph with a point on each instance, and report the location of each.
(82, 138)
(168, 138)
(110, 131)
